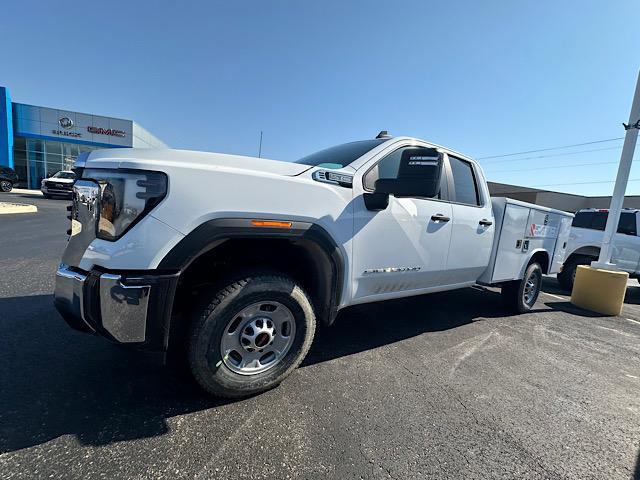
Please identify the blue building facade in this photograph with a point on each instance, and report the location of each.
(39, 141)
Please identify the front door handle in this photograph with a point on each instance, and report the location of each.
(439, 218)
(485, 223)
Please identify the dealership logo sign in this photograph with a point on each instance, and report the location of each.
(106, 131)
(66, 122)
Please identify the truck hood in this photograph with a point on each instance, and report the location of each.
(60, 180)
(156, 159)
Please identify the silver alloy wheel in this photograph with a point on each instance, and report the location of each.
(5, 186)
(257, 338)
(531, 288)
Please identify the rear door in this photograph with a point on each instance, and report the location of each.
(473, 229)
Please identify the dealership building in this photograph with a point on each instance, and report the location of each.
(39, 141)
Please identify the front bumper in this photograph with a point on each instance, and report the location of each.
(49, 190)
(127, 308)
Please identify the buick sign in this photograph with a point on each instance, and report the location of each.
(66, 122)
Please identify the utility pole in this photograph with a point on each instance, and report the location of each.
(260, 146)
(617, 200)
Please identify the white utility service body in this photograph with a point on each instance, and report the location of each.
(522, 230)
(177, 247)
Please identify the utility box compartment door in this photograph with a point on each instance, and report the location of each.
(509, 254)
(561, 244)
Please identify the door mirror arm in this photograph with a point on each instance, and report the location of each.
(376, 201)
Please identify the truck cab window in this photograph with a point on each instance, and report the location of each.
(464, 182)
(388, 168)
(583, 220)
(627, 224)
(598, 221)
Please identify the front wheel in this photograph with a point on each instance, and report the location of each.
(521, 295)
(6, 186)
(252, 334)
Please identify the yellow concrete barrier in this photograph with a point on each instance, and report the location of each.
(599, 290)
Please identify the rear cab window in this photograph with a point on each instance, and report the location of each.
(598, 221)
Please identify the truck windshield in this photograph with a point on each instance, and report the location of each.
(70, 175)
(340, 155)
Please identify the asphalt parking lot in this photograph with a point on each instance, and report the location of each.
(441, 386)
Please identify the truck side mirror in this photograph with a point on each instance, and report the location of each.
(419, 176)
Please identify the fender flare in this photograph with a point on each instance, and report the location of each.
(213, 233)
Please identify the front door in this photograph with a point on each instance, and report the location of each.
(402, 248)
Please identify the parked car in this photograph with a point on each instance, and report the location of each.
(58, 185)
(585, 240)
(8, 178)
(235, 259)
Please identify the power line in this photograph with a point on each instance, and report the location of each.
(513, 160)
(551, 148)
(581, 183)
(555, 167)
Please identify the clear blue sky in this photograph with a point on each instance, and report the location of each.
(483, 77)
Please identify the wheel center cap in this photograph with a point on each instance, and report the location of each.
(262, 339)
(257, 334)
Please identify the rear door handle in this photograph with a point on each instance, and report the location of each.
(439, 218)
(485, 223)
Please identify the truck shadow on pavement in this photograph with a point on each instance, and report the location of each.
(366, 327)
(57, 382)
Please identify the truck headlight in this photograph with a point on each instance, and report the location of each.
(126, 196)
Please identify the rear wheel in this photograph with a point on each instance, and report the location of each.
(521, 295)
(568, 274)
(6, 186)
(252, 334)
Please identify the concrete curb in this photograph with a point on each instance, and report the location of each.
(6, 208)
(25, 191)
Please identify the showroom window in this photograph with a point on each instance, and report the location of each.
(35, 159)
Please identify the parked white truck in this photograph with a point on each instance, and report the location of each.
(237, 258)
(585, 240)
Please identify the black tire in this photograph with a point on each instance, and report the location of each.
(46, 195)
(210, 324)
(517, 296)
(6, 186)
(568, 273)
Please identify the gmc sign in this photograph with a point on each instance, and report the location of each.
(106, 131)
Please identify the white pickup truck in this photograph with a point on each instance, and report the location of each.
(585, 240)
(237, 258)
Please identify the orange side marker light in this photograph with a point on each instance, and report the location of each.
(271, 223)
